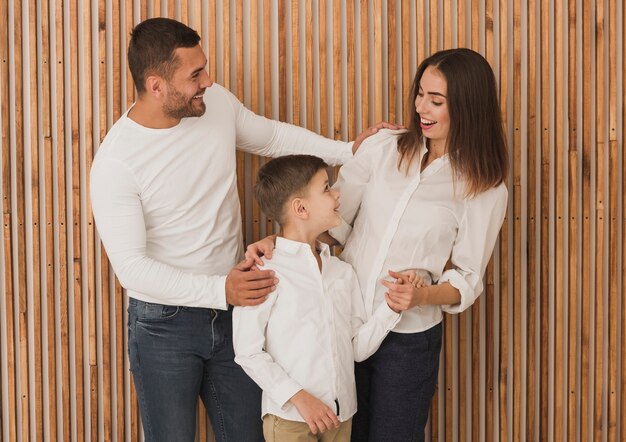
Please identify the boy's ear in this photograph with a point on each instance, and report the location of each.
(299, 209)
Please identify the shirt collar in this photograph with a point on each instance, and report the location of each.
(295, 247)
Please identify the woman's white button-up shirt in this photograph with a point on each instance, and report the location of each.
(395, 221)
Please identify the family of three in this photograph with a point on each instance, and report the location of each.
(269, 343)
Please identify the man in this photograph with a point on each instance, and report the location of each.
(164, 196)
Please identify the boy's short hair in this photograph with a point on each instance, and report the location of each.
(152, 45)
(283, 178)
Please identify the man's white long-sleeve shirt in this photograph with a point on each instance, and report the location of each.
(417, 220)
(309, 332)
(165, 200)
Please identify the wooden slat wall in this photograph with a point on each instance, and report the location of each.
(538, 357)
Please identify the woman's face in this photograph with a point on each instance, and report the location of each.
(431, 105)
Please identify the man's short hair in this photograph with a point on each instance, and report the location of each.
(284, 178)
(152, 45)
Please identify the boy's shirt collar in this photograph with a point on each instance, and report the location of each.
(294, 247)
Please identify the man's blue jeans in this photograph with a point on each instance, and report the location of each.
(178, 354)
(395, 387)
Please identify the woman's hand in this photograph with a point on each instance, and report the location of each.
(263, 247)
(403, 294)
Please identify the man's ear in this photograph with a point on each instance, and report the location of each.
(298, 208)
(155, 86)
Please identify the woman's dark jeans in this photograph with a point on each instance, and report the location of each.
(395, 387)
(178, 354)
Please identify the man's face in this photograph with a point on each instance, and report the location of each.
(185, 90)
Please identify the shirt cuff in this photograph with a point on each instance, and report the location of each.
(283, 392)
(457, 281)
(386, 316)
(346, 153)
(341, 232)
(219, 292)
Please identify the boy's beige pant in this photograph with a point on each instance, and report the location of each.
(276, 429)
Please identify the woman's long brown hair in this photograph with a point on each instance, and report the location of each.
(475, 144)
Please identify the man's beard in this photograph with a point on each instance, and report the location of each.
(178, 106)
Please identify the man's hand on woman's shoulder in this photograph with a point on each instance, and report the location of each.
(371, 131)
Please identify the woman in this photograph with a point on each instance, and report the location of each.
(431, 198)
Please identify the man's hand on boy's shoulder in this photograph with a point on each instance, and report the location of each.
(246, 285)
(263, 247)
(316, 413)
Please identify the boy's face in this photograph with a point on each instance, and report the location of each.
(322, 202)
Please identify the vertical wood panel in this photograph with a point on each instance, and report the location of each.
(34, 59)
(20, 263)
(50, 314)
(552, 308)
(559, 190)
(365, 119)
(600, 140)
(308, 65)
(61, 31)
(518, 368)
(90, 140)
(212, 30)
(254, 105)
(267, 86)
(586, 227)
(76, 229)
(282, 60)
(573, 351)
(323, 63)
(377, 78)
(239, 70)
(613, 237)
(7, 210)
(336, 29)
(545, 214)
(407, 76)
(532, 206)
(350, 19)
(433, 26)
(622, 403)
(391, 60)
(295, 64)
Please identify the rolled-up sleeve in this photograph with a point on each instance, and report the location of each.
(476, 238)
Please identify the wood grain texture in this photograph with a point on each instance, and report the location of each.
(547, 328)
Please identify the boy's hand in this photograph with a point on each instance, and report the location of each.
(402, 294)
(316, 413)
(263, 247)
(246, 285)
(413, 278)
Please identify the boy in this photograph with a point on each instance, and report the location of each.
(300, 345)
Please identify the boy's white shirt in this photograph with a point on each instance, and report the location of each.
(309, 332)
